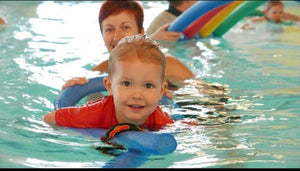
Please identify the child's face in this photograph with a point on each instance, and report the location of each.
(275, 13)
(137, 88)
(115, 27)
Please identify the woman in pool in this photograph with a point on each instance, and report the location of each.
(118, 19)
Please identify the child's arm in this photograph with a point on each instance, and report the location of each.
(247, 26)
(49, 117)
(289, 16)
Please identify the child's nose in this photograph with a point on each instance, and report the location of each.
(137, 94)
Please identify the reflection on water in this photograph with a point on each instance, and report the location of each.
(202, 101)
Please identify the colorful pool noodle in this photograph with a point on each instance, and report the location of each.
(239, 13)
(216, 20)
(194, 12)
(195, 26)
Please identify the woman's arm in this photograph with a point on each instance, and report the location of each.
(75, 81)
(102, 67)
(176, 72)
(2, 21)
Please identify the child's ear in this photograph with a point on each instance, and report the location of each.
(163, 88)
(107, 84)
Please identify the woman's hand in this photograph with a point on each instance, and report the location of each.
(75, 81)
(162, 34)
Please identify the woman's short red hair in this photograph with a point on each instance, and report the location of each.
(115, 7)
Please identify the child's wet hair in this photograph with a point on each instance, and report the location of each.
(145, 49)
(270, 4)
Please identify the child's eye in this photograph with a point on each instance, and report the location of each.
(126, 83)
(149, 85)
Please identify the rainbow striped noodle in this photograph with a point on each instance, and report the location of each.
(195, 26)
(212, 18)
(194, 12)
(214, 22)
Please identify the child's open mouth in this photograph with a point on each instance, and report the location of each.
(136, 107)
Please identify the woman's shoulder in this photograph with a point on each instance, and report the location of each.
(2, 21)
(102, 67)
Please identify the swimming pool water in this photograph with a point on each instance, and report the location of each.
(46, 43)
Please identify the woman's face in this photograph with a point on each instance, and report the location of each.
(115, 27)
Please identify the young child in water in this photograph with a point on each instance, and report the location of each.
(135, 83)
(274, 12)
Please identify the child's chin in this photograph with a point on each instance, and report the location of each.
(136, 121)
(277, 21)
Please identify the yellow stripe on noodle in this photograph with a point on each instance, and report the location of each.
(214, 22)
